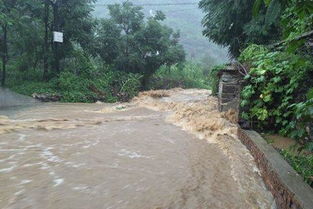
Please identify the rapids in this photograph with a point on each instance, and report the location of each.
(163, 150)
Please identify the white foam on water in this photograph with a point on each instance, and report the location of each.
(95, 143)
(58, 182)
(80, 188)
(9, 158)
(87, 146)
(75, 165)
(126, 186)
(19, 192)
(44, 166)
(32, 146)
(31, 164)
(90, 144)
(11, 150)
(132, 155)
(26, 181)
(22, 137)
(49, 156)
(7, 170)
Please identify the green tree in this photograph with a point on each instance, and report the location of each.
(108, 37)
(73, 18)
(134, 45)
(231, 23)
(8, 15)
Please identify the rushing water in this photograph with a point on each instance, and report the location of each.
(141, 155)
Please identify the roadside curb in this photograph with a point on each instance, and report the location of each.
(287, 187)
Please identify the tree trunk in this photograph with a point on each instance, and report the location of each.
(4, 53)
(145, 81)
(46, 42)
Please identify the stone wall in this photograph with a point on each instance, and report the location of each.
(286, 185)
(229, 89)
(288, 188)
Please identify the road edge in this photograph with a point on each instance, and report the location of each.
(287, 187)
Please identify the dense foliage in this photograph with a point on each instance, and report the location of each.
(99, 59)
(83, 82)
(27, 26)
(278, 95)
(276, 85)
(188, 75)
(232, 24)
(131, 44)
(272, 40)
(182, 17)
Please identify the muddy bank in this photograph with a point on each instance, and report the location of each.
(164, 150)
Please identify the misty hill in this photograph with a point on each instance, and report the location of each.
(186, 19)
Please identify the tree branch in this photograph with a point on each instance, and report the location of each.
(298, 38)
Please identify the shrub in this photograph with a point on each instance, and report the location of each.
(74, 88)
(214, 79)
(29, 82)
(276, 85)
(110, 86)
(189, 75)
(84, 86)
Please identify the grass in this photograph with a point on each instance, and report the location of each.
(303, 164)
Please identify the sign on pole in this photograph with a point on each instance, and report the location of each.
(57, 37)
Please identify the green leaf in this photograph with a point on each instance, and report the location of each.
(273, 12)
(310, 94)
(256, 7)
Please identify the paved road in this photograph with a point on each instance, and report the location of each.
(126, 156)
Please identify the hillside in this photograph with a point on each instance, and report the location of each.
(187, 19)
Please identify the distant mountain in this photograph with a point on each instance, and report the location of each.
(184, 17)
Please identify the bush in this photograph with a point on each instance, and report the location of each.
(214, 79)
(275, 90)
(110, 86)
(189, 75)
(74, 88)
(29, 82)
(88, 86)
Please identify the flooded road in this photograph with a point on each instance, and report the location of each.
(164, 150)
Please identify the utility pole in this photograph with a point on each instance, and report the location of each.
(4, 53)
(57, 35)
(46, 44)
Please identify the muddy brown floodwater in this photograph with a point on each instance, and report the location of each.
(164, 150)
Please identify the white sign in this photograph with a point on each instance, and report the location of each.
(57, 37)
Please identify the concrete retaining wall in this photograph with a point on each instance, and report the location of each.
(288, 188)
(12, 99)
